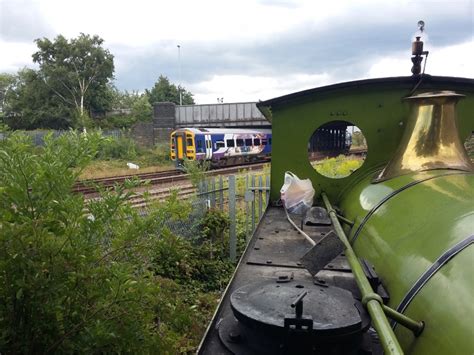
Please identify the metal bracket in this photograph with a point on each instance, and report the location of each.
(298, 323)
(374, 280)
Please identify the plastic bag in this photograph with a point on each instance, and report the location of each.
(296, 194)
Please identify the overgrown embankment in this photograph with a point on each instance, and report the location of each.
(98, 278)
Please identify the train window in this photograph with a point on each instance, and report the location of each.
(256, 141)
(220, 144)
(269, 141)
(189, 142)
(337, 149)
(240, 142)
(248, 142)
(264, 141)
(230, 143)
(199, 145)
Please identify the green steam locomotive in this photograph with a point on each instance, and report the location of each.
(387, 267)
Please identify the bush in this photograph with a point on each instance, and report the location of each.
(159, 155)
(102, 281)
(196, 169)
(122, 121)
(121, 147)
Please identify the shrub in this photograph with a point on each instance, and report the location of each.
(122, 121)
(196, 170)
(121, 147)
(95, 278)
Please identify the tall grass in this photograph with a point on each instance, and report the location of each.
(338, 167)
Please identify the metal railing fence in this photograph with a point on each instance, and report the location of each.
(243, 197)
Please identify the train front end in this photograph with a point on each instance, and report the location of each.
(182, 147)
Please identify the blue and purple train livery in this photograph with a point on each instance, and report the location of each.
(220, 146)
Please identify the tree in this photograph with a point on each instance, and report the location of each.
(141, 109)
(6, 83)
(358, 139)
(75, 70)
(164, 91)
(30, 104)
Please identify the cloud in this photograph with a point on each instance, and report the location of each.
(257, 46)
(15, 56)
(446, 61)
(253, 88)
(22, 21)
(344, 52)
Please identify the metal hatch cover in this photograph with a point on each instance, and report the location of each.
(264, 306)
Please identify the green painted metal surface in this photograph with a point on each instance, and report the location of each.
(375, 106)
(405, 236)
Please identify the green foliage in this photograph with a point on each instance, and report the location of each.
(141, 109)
(158, 155)
(6, 83)
(196, 170)
(339, 167)
(164, 91)
(201, 264)
(30, 104)
(125, 109)
(76, 70)
(96, 277)
(122, 121)
(121, 147)
(358, 140)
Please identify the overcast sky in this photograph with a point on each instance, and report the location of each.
(246, 50)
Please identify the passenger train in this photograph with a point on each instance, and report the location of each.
(220, 146)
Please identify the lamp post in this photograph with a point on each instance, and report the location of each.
(179, 76)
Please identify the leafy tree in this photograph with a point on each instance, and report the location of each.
(141, 108)
(164, 91)
(122, 99)
(30, 104)
(6, 82)
(76, 70)
(358, 139)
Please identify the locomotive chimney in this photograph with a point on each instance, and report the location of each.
(431, 138)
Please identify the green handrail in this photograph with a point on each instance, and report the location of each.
(371, 300)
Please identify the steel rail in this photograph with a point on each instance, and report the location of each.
(157, 178)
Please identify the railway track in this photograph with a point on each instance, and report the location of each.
(362, 152)
(141, 200)
(88, 187)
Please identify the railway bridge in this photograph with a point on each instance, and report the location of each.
(167, 117)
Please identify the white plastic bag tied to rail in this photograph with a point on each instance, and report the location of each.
(296, 194)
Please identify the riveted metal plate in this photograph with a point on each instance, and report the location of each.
(322, 253)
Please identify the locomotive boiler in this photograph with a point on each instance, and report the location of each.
(386, 265)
